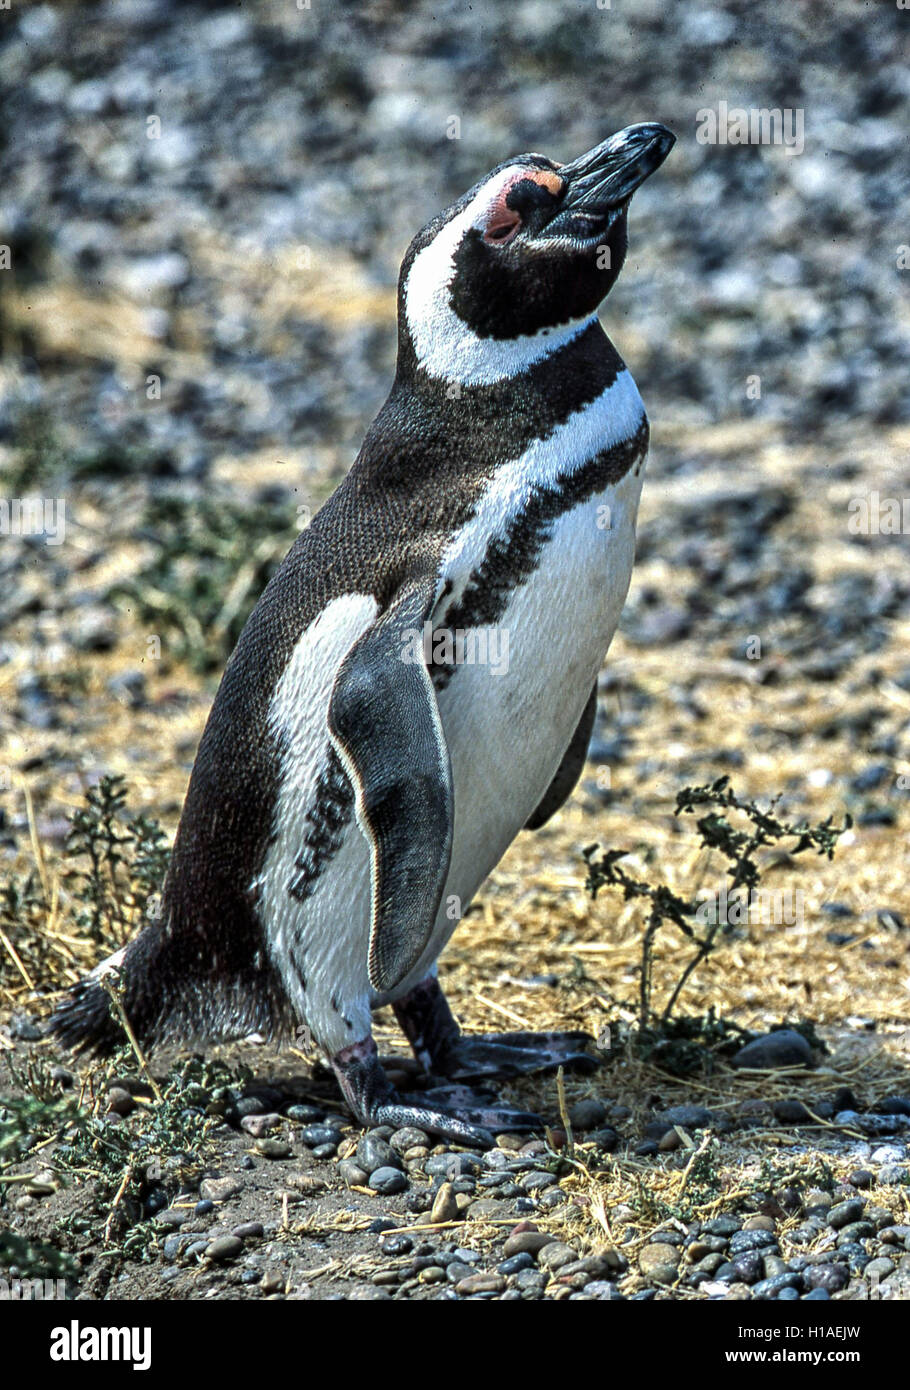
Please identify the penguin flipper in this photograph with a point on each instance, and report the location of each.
(384, 720)
(569, 770)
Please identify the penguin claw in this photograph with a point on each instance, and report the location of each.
(410, 1111)
(452, 1113)
(474, 1109)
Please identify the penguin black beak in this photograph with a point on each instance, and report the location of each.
(607, 176)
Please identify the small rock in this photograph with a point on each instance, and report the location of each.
(224, 1248)
(770, 1288)
(480, 1283)
(587, 1114)
(742, 1241)
(374, 1152)
(120, 1102)
(791, 1112)
(274, 1148)
(526, 1242)
(555, 1255)
(783, 1047)
(219, 1189)
(304, 1114)
(315, 1135)
(892, 1105)
(388, 1180)
(249, 1230)
(861, 1178)
(408, 1138)
(845, 1213)
(351, 1174)
(171, 1216)
(830, 1278)
(445, 1205)
(258, 1125)
(659, 1263)
(537, 1181)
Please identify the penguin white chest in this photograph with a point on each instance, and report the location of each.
(508, 719)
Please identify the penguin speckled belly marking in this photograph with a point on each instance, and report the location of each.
(346, 794)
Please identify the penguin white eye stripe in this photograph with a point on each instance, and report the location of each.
(445, 347)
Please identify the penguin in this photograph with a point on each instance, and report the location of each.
(417, 682)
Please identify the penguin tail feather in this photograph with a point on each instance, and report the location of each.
(168, 999)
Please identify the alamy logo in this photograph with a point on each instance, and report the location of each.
(30, 1290)
(757, 125)
(875, 515)
(34, 516)
(75, 1343)
(473, 646)
(773, 908)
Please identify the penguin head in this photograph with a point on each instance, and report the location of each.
(530, 250)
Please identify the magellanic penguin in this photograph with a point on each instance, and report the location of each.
(358, 777)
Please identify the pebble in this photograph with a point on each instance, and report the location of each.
(659, 1262)
(526, 1242)
(249, 1230)
(480, 1283)
(171, 1216)
(120, 1102)
(829, 1278)
(861, 1178)
(304, 1114)
(845, 1213)
(770, 1288)
(259, 1125)
(315, 1135)
(224, 1248)
(445, 1206)
(555, 1255)
(275, 1148)
(374, 1152)
(587, 1114)
(219, 1189)
(688, 1117)
(783, 1047)
(742, 1241)
(387, 1181)
(351, 1174)
(516, 1263)
(537, 1181)
(892, 1105)
(408, 1138)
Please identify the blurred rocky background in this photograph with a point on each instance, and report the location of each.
(202, 212)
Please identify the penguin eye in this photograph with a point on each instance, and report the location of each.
(502, 227)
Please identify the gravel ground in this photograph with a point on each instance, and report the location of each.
(246, 262)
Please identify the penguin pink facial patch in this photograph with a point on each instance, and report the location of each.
(500, 222)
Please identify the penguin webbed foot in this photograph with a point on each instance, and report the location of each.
(505, 1055)
(452, 1112)
(437, 1041)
